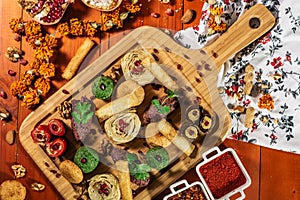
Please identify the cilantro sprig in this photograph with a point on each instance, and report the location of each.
(83, 113)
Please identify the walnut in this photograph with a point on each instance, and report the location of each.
(37, 186)
(4, 114)
(65, 109)
(19, 171)
(13, 54)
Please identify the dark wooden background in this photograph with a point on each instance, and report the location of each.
(274, 174)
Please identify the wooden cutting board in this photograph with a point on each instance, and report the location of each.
(195, 69)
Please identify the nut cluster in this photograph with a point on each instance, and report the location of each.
(4, 114)
(65, 109)
(13, 54)
(37, 186)
(19, 170)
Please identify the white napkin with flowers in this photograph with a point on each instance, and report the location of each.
(275, 94)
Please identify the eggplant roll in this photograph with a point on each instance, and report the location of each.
(122, 127)
(133, 69)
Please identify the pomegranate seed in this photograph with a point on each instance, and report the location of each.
(3, 94)
(155, 15)
(23, 61)
(169, 12)
(65, 91)
(12, 72)
(17, 38)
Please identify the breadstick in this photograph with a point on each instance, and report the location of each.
(170, 133)
(121, 104)
(160, 74)
(154, 137)
(75, 62)
(250, 112)
(124, 179)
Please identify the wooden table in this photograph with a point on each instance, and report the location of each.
(274, 174)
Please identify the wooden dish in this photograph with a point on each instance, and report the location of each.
(198, 74)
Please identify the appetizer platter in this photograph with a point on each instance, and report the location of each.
(135, 120)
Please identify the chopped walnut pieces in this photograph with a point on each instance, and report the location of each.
(82, 192)
(19, 171)
(13, 54)
(37, 186)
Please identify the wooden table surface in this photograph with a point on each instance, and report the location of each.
(274, 174)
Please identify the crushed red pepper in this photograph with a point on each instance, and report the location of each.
(222, 175)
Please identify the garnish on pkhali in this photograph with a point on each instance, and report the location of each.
(160, 105)
(83, 112)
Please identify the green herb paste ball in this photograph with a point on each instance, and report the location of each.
(86, 159)
(103, 87)
(157, 158)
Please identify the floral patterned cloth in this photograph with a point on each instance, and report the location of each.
(271, 65)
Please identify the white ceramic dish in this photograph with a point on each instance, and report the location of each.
(240, 189)
(185, 187)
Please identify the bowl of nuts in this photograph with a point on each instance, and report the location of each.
(46, 12)
(103, 5)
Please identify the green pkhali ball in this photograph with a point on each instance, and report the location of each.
(157, 158)
(102, 87)
(86, 159)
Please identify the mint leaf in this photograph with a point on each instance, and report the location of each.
(143, 168)
(141, 176)
(171, 94)
(155, 103)
(164, 110)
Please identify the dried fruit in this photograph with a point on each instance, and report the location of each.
(10, 137)
(155, 15)
(19, 171)
(169, 12)
(57, 127)
(23, 61)
(3, 94)
(37, 186)
(41, 134)
(188, 16)
(56, 148)
(17, 38)
(11, 72)
(4, 114)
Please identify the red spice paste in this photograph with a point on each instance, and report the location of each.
(222, 175)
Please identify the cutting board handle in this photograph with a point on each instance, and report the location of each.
(250, 26)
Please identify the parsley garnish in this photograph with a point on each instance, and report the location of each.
(83, 113)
